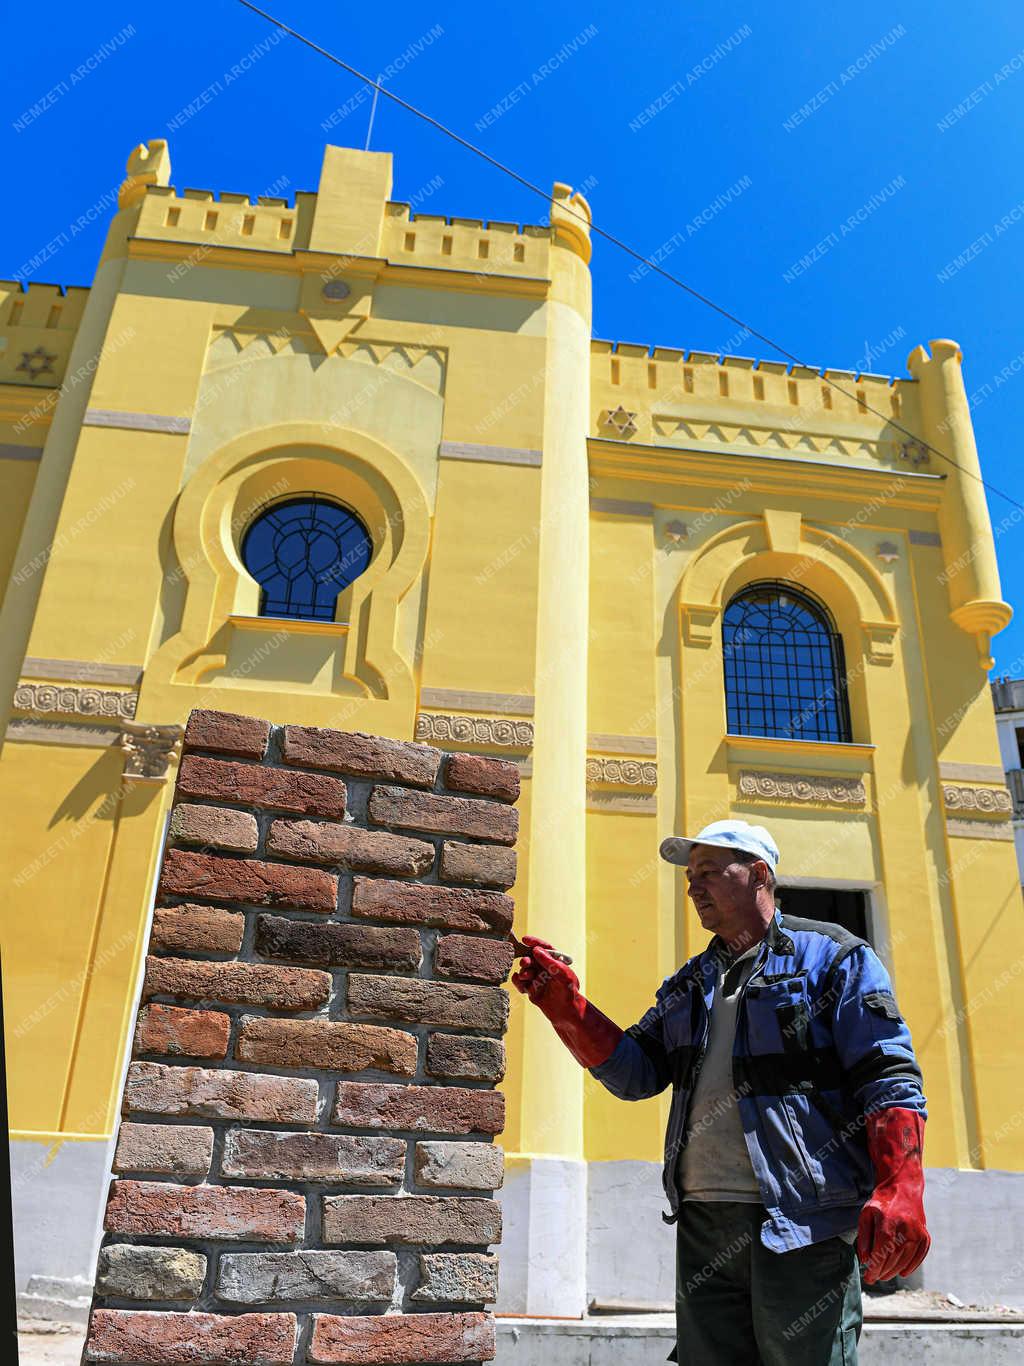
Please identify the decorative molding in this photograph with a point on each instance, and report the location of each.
(74, 700)
(880, 638)
(698, 623)
(887, 551)
(782, 530)
(621, 507)
(148, 749)
(916, 452)
(8, 451)
(971, 773)
(37, 362)
(519, 704)
(623, 744)
(801, 787)
(980, 830)
(620, 420)
(985, 801)
(623, 772)
(137, 422)
(773, 438)
(496, 455)
(25, 731)
(474, 730)
(81, 671)
(642, 804)
(924, 538)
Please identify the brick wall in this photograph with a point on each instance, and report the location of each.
(305, 1166)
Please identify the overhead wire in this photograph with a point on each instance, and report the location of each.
(595, 229)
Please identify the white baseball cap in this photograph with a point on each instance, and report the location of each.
(752, 839)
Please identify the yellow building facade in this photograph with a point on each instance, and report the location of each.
(559, 527)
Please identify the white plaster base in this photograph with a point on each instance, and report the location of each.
(976, 1220)
(58, 1193)
(631, 1251)
(543, 1252)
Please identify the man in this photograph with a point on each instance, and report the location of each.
(797, 1116)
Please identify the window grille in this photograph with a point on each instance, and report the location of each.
(303, 552)
(785, 673)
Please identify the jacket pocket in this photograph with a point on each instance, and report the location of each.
(779, 1015)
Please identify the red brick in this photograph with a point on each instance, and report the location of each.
(328, 1045)
(219, 1093)
(483, 776)
(465, 955)
(250, 984)
(419, 903)
(170, 1149)
(481, 865)
(224, 732)
(196, 929)
(432, 1219)
(175, 1339)
(440, 815)
(367, 756)
(187, 873)
(465, 1056)
(182, 1033)
(277, 789)
(270, 1155)
(348, 848)
(402, 1338)
(337, 945)
(214, 827)
(437, 1109)
(458, 1004)
(161, 1209)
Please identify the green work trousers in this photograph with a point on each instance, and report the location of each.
(740, 1304)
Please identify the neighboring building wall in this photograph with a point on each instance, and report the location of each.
(558, 525)
(308, 1119)
(1008, 699)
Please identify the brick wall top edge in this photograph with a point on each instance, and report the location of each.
(361, 754)
(225, 732)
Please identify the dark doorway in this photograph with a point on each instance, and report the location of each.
(839, 907)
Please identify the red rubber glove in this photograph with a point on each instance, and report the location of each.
(892, 1239)
(553, 986)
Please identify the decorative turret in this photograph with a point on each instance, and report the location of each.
(149, 164)
(971, 573)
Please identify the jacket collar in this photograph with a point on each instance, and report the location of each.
(776, 938)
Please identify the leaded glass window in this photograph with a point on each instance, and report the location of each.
(785, 673)
(303, 552)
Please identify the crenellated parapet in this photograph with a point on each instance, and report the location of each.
(663, 396)
(465, 244)
(37, 328)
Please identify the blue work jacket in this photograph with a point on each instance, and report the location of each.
(820, 1043)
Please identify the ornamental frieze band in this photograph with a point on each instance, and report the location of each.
(74, 700)
(802, 787)
(994, 801)
(475, 730)
(623, 772)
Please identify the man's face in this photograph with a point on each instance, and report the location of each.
(723, 890)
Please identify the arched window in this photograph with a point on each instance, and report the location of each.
(785, 673)
(303, 552)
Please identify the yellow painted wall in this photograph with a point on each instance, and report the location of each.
(558, 524)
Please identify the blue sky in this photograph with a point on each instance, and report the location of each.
(735, 140)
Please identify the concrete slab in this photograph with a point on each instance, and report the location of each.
(647, 1340)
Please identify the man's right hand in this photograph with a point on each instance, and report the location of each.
(540, 971)
(554, 988)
